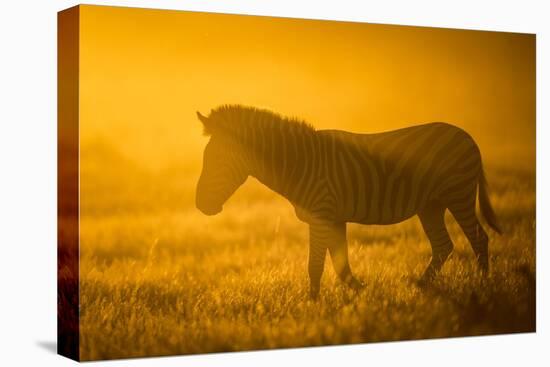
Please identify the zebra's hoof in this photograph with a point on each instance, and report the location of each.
(356, 284)
(425, 280)
(483, 264)
(314, 294)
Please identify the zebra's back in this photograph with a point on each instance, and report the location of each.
(387, 177)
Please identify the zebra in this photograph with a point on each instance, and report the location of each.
(335, 177)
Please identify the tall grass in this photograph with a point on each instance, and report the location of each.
(169, 280)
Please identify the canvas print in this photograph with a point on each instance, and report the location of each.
(232, 183)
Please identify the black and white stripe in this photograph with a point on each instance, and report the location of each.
(333, 177)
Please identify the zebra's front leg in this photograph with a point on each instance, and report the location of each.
(316, 261)
(329, 235)
(338, 249)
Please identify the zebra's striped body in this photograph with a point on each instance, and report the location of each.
(333, 177)
(388, 177)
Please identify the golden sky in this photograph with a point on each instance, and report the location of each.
(145, 72)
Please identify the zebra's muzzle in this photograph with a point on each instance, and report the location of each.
(210, 210)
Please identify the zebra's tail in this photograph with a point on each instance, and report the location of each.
(485, 204)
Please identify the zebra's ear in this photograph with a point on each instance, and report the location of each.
(205, 122)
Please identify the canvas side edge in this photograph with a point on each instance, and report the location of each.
(68, 328)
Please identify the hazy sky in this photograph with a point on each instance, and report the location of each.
(144, 73)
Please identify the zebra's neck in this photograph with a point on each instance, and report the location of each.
(283, 153)
(285, 161)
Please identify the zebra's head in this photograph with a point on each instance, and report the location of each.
(223, 168)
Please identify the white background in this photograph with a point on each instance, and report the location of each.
(28, 182)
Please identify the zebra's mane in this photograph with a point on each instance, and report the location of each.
(238, 120)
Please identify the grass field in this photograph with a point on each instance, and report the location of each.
(166, 279)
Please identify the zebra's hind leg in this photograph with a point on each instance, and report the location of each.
(433, 222)
(465, 215)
